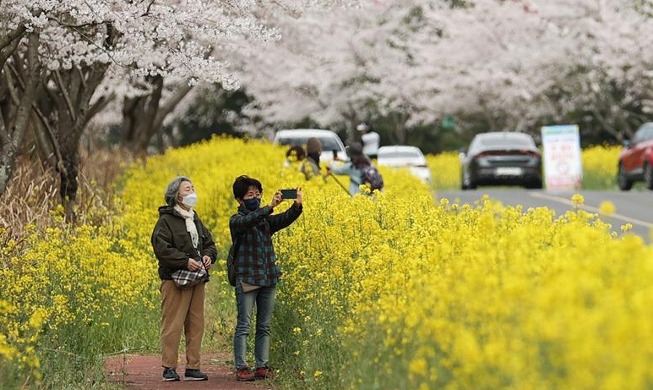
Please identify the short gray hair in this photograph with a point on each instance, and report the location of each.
(172, 190)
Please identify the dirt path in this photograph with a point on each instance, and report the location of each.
(143, 372)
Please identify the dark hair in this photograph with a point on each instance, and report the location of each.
(298, 151)
(355, 153)
(354, 149)
(313, 145)
(360, 161)
(242, 183)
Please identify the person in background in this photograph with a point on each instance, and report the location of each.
(311, 165)
(294, 155)
(353, 168)
(181, 241)
(370, 140)
(257, 272)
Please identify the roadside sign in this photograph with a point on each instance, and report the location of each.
(562, 158)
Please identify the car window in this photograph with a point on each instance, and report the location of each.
(509, 140)
(327, 143)
(401, 154)
(648, 133)
(644, 133)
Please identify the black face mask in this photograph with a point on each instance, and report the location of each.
(252, 204)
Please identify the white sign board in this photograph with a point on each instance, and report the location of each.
(562, 160)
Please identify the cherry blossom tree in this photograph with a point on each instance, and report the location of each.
(517, 64)
(56, 58)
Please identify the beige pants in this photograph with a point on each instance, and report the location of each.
(181, 310)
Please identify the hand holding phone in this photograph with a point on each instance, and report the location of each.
(289, 194)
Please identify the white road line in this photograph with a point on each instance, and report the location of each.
(592, 209)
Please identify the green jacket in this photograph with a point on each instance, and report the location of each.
(172, 243)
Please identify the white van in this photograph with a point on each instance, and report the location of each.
(329, 139)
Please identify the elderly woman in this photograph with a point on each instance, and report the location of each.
(181, 241)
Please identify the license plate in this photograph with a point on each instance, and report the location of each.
(508, 171)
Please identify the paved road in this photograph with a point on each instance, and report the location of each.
(632, 207)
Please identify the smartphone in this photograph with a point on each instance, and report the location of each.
(289, 194)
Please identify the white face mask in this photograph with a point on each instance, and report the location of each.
(190, 200)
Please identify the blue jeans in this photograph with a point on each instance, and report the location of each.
(264, 300)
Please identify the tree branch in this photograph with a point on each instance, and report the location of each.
(33, 67)
(4, 134)
(10, 85)
(170, 105)
(12, 38)
(51, 139)
(147, 10)
(64, 94)
(99, 105)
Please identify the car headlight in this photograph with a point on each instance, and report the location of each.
(482, 162)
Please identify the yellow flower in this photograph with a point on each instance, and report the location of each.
(417, 366)
(578, 200)
(607, 208)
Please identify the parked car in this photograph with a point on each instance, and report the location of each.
(403, 156)
(329, 139)
(636, 159)
(501, 158)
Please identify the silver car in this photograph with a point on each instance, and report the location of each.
(331, 142)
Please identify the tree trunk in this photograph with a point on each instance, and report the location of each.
(20, 81)
(351, 117)
(7, 159)
(63, 111)
(144, 115)
(75, 87)
(400, 127)
(70, 154)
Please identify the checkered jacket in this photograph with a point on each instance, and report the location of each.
(255, 259)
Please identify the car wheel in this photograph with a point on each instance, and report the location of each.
(469, 185)
(648, 176)
(624, 183)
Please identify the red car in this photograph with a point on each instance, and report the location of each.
(636, 159)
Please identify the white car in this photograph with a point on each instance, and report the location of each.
(330, 141)
(403, 156)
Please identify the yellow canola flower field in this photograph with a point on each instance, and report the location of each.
(393, 290)
(60, 292)
(396, 290)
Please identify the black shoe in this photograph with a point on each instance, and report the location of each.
(170, 375)
(195, 375)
